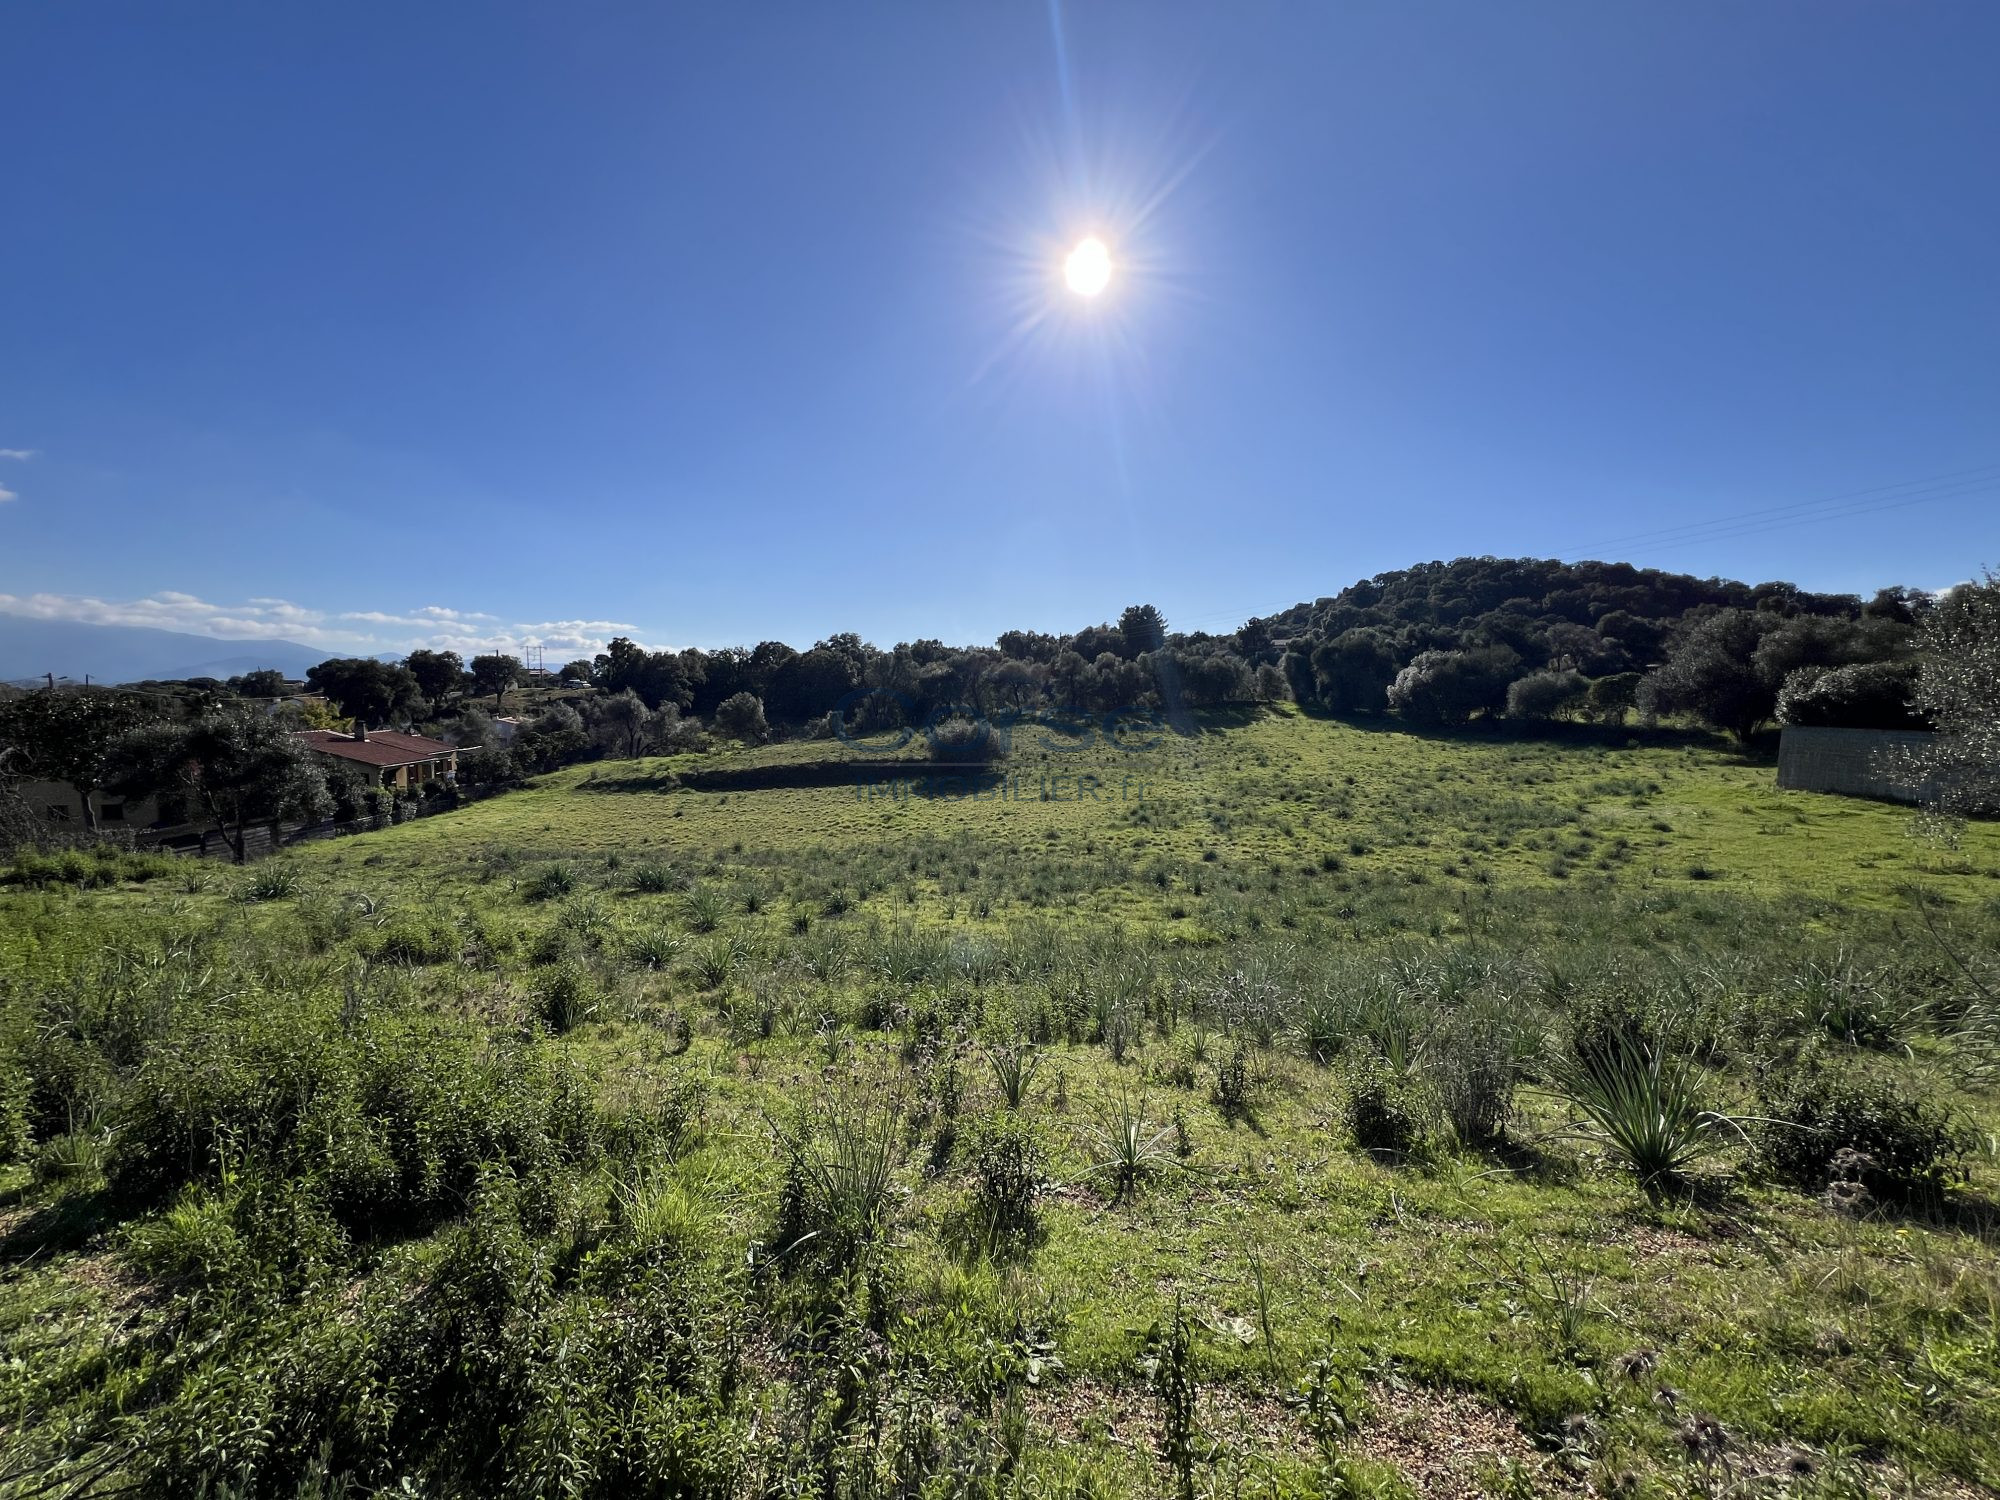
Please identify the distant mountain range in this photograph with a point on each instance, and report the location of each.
(29, 648)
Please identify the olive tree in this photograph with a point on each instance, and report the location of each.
(742, 718)
(494, 673)
(1958, 690)
(229, 769)
(1545, 695)
(67, 734)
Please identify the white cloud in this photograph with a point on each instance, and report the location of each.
(361, 631)
(22, 455)
(7, 494)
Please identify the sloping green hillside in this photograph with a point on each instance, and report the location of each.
(1211, 1118)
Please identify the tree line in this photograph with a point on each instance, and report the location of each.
(1440, 643)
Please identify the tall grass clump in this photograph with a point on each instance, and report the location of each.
(704, 908)
(274, 881)
(414, 938)
(1644, 1105)
(654, 950)
(551, 881)
(839, 1193)
(1128, 1147)
(566, 996)
(654, 878)
(1850, 1004)
(1013, 1070)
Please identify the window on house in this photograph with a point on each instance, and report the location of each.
(112, 812)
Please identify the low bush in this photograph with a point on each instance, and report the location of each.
(88, 868)
(965, 742)
(415, 938)
(1384, 1109)
(1472, 1066)
(1905, 1147)
(1009, 1160)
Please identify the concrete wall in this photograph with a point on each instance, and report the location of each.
(1852, 762)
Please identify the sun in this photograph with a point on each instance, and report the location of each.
(1088, 269)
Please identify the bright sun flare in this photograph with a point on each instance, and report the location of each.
(1088, 269)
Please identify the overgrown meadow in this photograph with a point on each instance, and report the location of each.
(1285, 1109)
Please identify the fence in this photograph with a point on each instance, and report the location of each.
(261, 840)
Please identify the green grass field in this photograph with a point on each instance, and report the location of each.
(613, 1137)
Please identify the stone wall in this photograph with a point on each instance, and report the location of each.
(1852, 762)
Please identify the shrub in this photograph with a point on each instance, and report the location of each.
(391, 1122)
(1545, 695)
(1908, 1146)
(1009, 1161)
(551, 945)
(1384, 1111)
(415, 938)
(741, 717)
(1236, 1081)
(567, 996)
(1868, 695)
(965, 742)
(1473, 1066)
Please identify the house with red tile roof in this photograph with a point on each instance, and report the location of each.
(396, 759)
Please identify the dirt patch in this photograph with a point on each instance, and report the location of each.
(1123, 1416)
(1446, 1444)
(1770, 1467)
(1449, 1444)
(110, 1279)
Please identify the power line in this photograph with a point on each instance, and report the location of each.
(1875, 499)
(1857, 502)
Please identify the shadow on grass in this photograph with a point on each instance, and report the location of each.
(62, 1225)
(1762, 750)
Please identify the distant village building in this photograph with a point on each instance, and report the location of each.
(56, 803)
(397, 760)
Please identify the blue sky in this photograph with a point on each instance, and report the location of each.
(367, 325)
